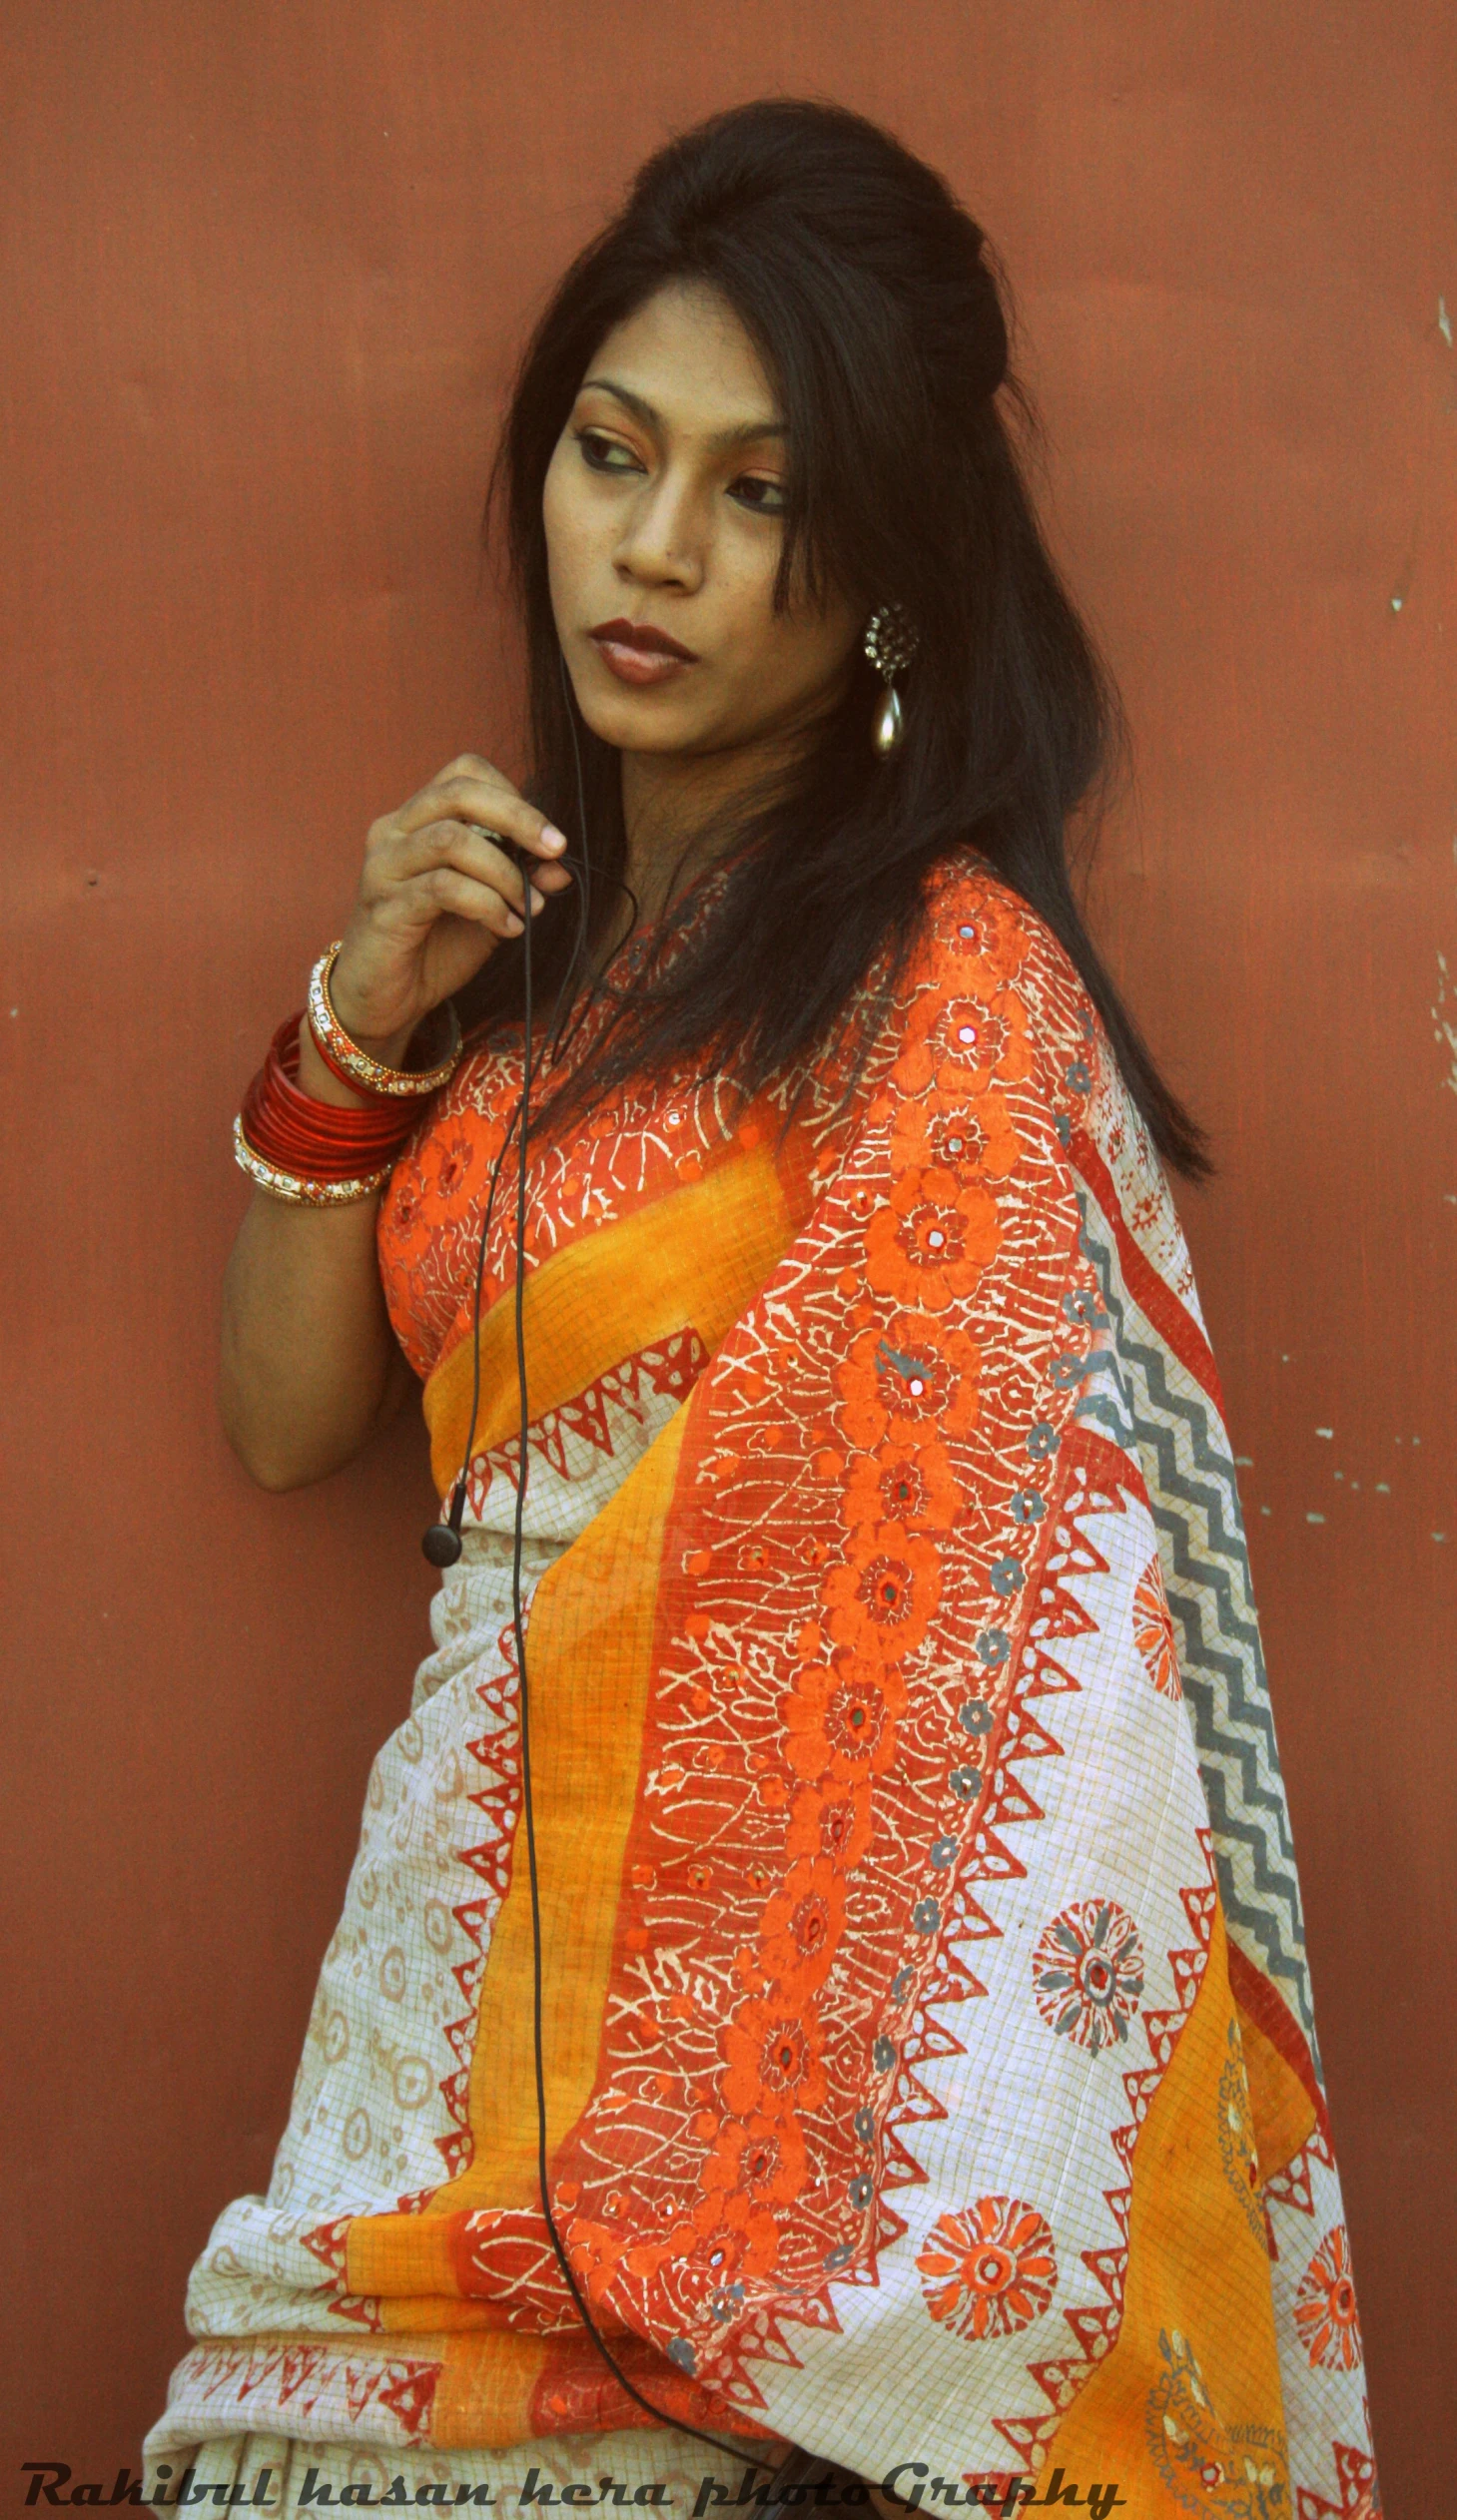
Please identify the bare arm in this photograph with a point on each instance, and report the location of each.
(310, 1363)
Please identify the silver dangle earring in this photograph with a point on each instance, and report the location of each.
(889, 644)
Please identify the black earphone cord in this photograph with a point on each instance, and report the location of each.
(441, 1555)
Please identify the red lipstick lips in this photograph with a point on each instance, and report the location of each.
(637, 653)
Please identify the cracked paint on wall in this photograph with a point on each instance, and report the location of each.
(1444, 1024)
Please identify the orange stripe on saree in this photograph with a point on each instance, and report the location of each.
(930, 2068)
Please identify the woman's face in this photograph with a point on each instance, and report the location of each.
(663, 506)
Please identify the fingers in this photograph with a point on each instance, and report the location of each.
(469, 791)
(473, 853)
(444, 889)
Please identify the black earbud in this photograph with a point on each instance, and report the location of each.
(443, 1543)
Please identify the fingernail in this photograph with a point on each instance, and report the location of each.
(514, 924)
(551, 838)
(537, 899)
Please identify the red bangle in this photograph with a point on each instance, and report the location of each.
(322, 1148)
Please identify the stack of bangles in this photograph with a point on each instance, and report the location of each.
(323, 1154)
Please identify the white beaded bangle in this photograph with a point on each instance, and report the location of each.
(294, 1188)
(354, 1065)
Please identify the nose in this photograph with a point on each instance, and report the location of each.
(662, 542)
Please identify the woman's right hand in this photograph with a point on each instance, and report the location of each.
(310, 1362)
(437, 896)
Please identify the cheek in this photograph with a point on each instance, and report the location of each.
(809, 655)
(767, 649)
(572, 535)
(797, 652)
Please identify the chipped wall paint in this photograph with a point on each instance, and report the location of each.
(1444, 1029)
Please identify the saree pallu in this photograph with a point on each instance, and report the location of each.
(929, 2065)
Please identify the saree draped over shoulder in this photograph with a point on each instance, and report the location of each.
(930, 2068)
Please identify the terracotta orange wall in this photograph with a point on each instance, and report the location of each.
(268, 263)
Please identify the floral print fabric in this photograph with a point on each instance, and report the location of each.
(950, 2091)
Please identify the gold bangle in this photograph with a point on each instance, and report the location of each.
(294, 1188)
(347, 1059)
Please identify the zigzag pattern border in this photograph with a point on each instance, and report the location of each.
(1206, 1579)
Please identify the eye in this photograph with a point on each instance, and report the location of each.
(760, 492)
(606, 455)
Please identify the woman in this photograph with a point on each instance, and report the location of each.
(849, 2006)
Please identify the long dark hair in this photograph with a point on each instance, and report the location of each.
(871, 298)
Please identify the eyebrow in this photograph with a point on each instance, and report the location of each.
(747, 435)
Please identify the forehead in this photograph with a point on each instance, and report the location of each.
(685, 353)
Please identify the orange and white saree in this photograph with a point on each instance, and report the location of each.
(929, 2054)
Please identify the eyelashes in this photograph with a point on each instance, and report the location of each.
(597, 451)
(773, 505)
(757, 492)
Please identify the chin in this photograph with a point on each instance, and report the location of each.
(639, 722)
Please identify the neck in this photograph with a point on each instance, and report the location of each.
(677, 808)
